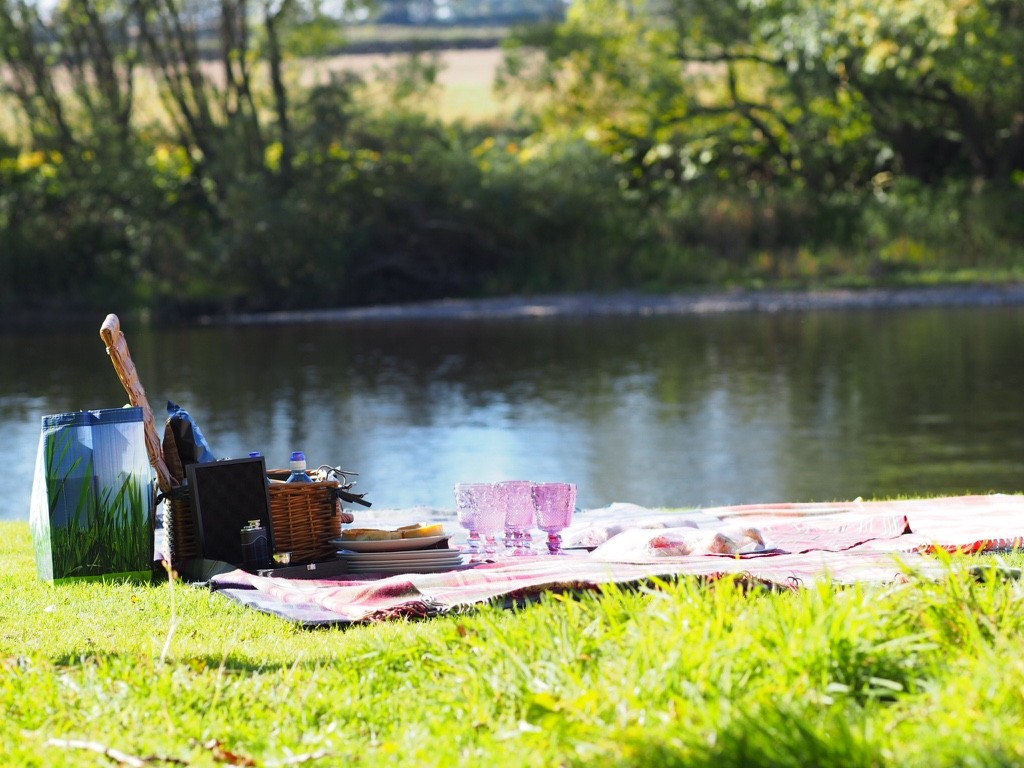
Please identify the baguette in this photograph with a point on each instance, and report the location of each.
(369, 534)
(421, 530)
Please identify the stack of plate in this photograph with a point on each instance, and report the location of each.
(418, 561)
(398, 555)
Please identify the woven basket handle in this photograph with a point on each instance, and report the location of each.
(117, 348)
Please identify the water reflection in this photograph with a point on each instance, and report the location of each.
(658, 411)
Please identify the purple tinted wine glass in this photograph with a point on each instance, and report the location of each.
(467, 509)
(520, 512)
(480, 504)
(555, 503)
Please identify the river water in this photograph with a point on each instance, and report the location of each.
(690, 410)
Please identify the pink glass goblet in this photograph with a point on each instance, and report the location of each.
(487, 515)
(520, 512)
(555, 503)
(468, 510)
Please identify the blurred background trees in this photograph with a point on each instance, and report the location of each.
(180, 156)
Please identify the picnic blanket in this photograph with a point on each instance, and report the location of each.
(845, 542)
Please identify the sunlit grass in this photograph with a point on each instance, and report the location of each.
(471, 100)
(910, 674)
(410, 35)
(464, 88)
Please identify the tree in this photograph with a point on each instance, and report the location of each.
(89, 45)
(115, 180)
(220, 69)
(943, 82)
(829, 96)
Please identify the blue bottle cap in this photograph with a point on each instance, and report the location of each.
(298, 456)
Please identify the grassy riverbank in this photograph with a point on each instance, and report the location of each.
(913, 674)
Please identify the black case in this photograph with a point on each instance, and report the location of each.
(323, 570)
(226, 495)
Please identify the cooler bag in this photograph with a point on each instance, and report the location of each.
(92, 509)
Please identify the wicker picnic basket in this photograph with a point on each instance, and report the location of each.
(303, 517)
(179, 520)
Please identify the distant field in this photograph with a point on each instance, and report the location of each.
(462, 66)
(466, 81)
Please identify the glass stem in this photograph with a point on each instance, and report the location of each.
(555, 544)
(490, 544)
(527, 543)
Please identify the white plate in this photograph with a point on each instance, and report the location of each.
(413, 554)
(430, 555)
(421, 561)
(405, 568)
(390, 545)
(405, 563)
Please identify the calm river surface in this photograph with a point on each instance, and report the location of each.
(660, 411)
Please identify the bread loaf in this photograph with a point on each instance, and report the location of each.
(415, 531)
(369, 534)
(421, 530)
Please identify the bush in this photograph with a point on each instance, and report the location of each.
(916, 228)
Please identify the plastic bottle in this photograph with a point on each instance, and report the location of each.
(258, 455)
(298, 467)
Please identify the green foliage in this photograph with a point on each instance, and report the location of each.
(538, 203)
(313, 31)
(792, 91)
(914, 227)
(942, 82)
(658, 146)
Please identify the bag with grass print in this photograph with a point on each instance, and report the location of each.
(92, 508)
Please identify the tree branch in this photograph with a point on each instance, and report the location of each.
(274, 61)
(747, 111)
(729, 57)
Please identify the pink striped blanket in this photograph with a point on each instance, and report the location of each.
(843, 542)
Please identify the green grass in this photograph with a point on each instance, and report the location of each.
(911, 674)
